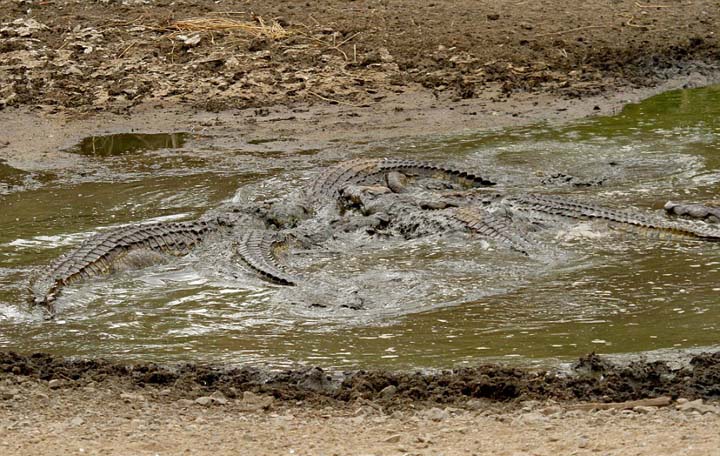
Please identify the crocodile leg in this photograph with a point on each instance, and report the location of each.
(569, 208)
(113, 250)
(259, 249)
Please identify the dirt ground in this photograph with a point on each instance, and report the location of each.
(233, 54)
(341, 73)
(52, 405)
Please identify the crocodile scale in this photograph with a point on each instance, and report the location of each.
(257, 247)
(99, 254)
(570, 208)
(375, 171)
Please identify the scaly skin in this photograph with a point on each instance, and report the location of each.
(258, 248)
(492, 226)
(102, 253)
(569, 208)
(376, 171)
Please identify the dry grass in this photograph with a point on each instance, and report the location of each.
(273, 30)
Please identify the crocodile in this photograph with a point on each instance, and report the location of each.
(137, 246)
(423, 214)
(372, 171)
(630, 219)
(116, 250)
(386, 197)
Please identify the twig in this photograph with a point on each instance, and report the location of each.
(227, 12)
(327, 45)
(630, 22)
(349, 38)
(652, 402)
(577, 29)
(126, 49)
(333, 101)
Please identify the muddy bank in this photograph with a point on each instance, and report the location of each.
(592, 378)
(330, 75)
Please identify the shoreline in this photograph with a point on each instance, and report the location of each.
(34, 139)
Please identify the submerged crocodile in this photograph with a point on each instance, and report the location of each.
(380, 196)
(138, 246)
(257, 242)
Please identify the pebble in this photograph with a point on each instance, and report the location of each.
(388, 392)
(436, 414)
(251, 401)
(645, 409)
(532, 418)
(8, 394)
(130, 397)
(475, 404)
(697, 406)
(551, 410)
(77, 421)
(204, 400)
(54, 383)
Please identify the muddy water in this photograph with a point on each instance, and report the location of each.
(432, 302)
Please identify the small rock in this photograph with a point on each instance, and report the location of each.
(251, 401)
(474, 404)
(532, 418)
(130, 397)
(528, 406)
(204, 400)
(8, 394)
(436, 414)
(551, 410)
(219, 398)
(77, 421)
(697, 406)
(388, 392)
(185, 402)
(645, 409)
(54, 384)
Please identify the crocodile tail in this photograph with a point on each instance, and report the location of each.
(329, 183)
(104, 252)
(258, 248)
(429, 169)
(578, 210)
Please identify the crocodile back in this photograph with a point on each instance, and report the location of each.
(99, 254)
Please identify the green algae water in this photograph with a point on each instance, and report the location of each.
(424, 303)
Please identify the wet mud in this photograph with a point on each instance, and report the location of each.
(591, 378)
